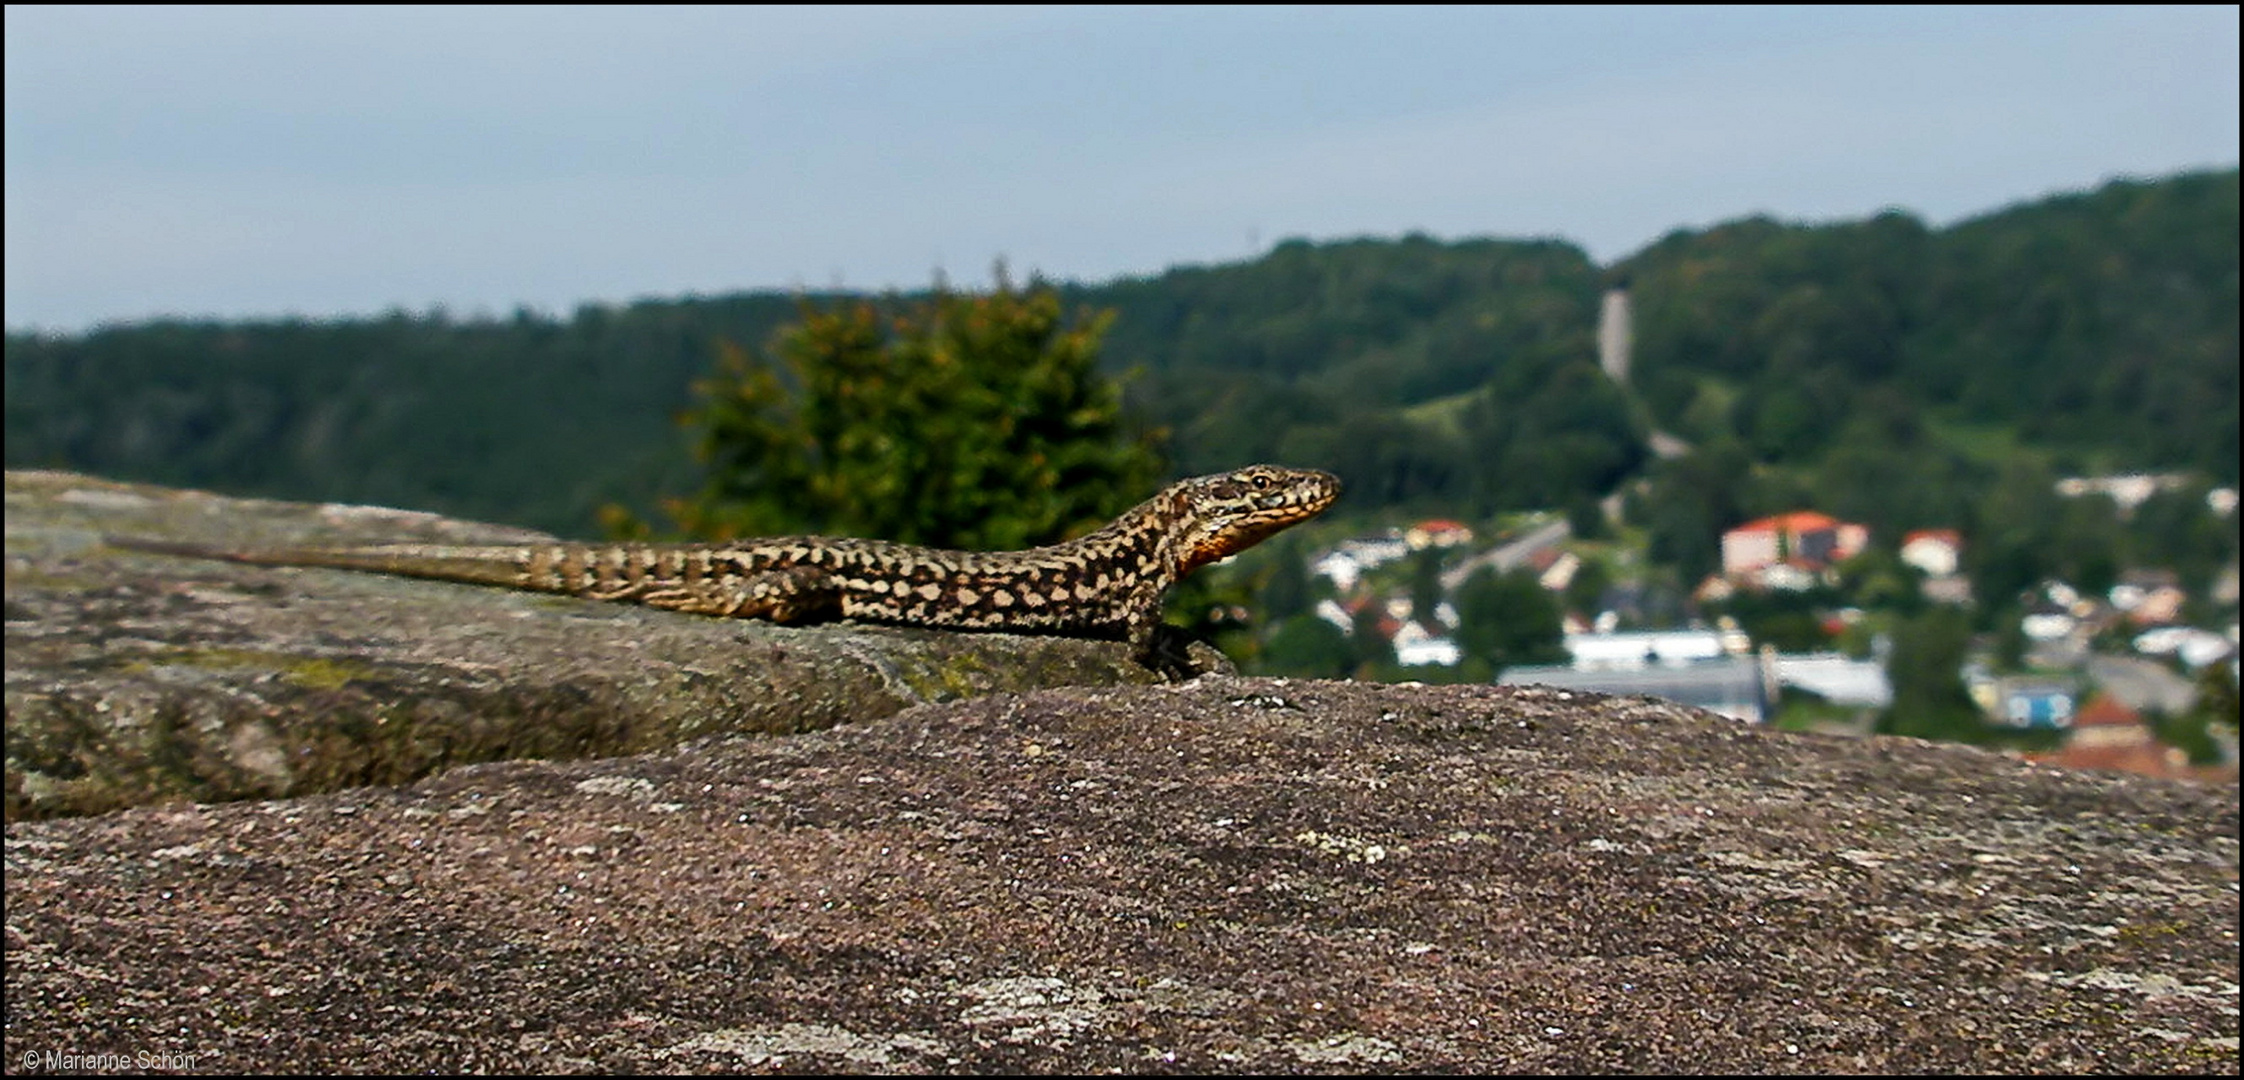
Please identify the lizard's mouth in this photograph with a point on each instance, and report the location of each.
(1279, 512)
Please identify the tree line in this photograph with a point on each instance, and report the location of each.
(1880, 370)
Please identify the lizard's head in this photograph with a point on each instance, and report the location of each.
(1227, 513)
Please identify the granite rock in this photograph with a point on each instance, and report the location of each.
(135, 678)
(1223, 875)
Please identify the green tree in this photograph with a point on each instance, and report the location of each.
(1543, 433)
(1425, 584)
(1877, 578)
(1589, 585)
(2087, 543)
(1308, 646)
(2214, 710)
(1286, 591)
(956, 421)
(1783, 618)
(2010, 542)
(1373, 650)
(2176, 529)
(1585, 515)
(1689, 502)
(1926, 670)
(1875, 370)
(1508, 619)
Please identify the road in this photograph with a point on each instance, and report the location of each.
(1506, 556)
(2141, 684)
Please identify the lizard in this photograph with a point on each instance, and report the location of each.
(1106, 583)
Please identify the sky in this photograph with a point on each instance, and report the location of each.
(320, 162)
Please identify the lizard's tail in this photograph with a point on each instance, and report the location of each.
(170, 547)
(493, 565)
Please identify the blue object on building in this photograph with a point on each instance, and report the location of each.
(2037, 706)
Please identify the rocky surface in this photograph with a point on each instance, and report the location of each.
(135, 678)
(1220, 875)
(1228, 874)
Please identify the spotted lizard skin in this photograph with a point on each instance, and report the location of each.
(1107, 583)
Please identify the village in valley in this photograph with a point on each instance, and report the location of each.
(1810, 622)
(2082, 679)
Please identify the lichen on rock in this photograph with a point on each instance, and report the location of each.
(137, 678)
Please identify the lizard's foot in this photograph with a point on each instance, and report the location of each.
(1168, 652)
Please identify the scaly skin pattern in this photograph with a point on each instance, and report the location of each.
(1107, 583)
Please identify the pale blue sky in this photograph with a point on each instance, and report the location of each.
(257, 162)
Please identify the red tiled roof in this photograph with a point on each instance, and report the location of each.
(2148, 759)
(2106, 711)
(1796, 521)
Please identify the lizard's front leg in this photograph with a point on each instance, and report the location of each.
(793, 594)
(1154, 643)
(1144, 639)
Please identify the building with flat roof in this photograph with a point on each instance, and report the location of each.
(1836, 678)
(1652, 648)
(1731, 686)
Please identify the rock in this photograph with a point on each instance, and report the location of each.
(1222, 875)
(135, 678)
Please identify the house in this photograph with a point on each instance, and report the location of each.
(1786, 577)
(2158, 607)
(1650, 648)
(1836, 677)
(2197, 648)
(1330, 611)
(1955, 589)
(1714, 590)
(1438, 532)
(1732, 685)
(2109, 735)
(1414, 644)
(1346, 564)
(1560, 573)
(1340, 568)
(2128, 490)
(2021, 701)
(1802, 539)
(1711, 669)
(1937, 552)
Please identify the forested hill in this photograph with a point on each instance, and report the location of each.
(2092, 331)
(1461, 376)
(2102, 325)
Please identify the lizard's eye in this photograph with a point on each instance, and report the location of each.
(1262, 483)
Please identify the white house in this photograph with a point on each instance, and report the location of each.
(1346, 564)
(1800, 537)
(1937, 552)
(1330, 611)
(1414, 644)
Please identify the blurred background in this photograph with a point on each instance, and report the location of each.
(1847, 369)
